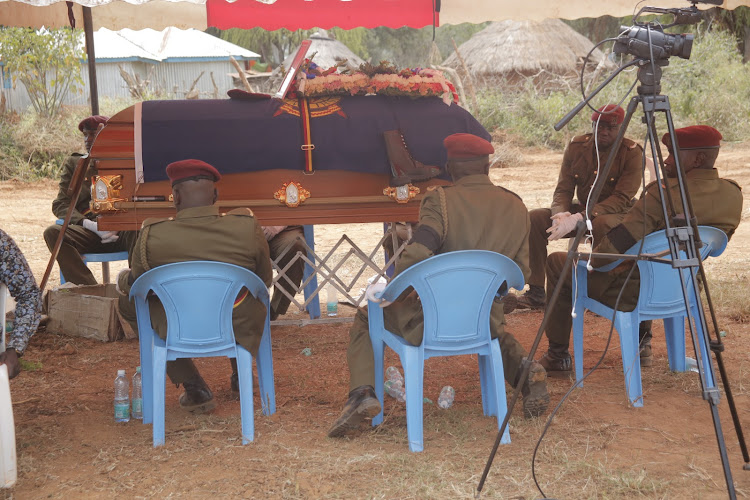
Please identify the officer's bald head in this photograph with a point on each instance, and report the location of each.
(194, 193)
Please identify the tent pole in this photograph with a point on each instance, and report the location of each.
(88, 29)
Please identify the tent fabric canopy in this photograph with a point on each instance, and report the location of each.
(296, 14)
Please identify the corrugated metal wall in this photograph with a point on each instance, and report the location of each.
(171, 80)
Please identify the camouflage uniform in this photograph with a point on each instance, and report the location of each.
(577, 175)
(202, 233)
(79, 240)
(467, 219)
(716, 202)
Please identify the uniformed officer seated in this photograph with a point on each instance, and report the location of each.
(461, 217)
(200, 232)
(577, 175)
(716, 202)
(83, 234)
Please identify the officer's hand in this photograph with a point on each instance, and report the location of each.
(9, 358)
(565, 224)
(106, 236)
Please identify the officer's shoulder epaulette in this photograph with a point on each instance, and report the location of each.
(155, 220)
(580, 138)
(629, 143)
(242, 211)
(510, 192)
(734, 182)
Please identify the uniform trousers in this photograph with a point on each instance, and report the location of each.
(540, 222)
(79, 240)
(292, 237)
(404, 318)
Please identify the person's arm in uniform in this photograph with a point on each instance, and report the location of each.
(562, 198)
(522, 255)
(427, 238)
(628, 183)
(63, 201)
(138, 259)
(263, 268)
(643, 218)
(16, 275)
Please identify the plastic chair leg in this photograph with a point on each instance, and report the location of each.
(313, 308)
(264, 362)
(413, 365)
(627, 327)
(378, 350)
(146, 347)
(489, 404)
(578, 340)
(497, 382)
(674, 332)
(245, 375)
(159, 390)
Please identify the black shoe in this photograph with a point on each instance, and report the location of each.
(557, 365)
(534, 298)
(535, 395)
(234, 384)
(362, 403)
(197, 397)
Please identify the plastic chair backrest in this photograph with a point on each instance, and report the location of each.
(660, 289)
(198, 298)
(456, 290)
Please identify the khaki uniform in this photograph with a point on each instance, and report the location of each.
(468, 219)
(79, 240)
(201, 233)
(577, 176)
(716, 202)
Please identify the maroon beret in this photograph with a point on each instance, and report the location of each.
(92, 122)
(611, 113)
(191, 170)
(695, 137)
(467, 146)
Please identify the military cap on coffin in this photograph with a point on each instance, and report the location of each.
(92, 122)
(466, 146)
(191, 170)
(611, 113)
(695, 137)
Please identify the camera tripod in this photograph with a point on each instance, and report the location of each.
(684, 242)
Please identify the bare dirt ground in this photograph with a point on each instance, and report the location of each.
(597, 447)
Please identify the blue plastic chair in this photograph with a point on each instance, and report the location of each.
(660, 297)
(198, 298)
(104, 258)
(313, 308)
(456, 290)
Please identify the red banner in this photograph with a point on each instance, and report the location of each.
(307, 14)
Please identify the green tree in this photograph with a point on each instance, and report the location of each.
(47, 62)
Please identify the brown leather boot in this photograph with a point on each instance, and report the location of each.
(362, 403)
(404, 167)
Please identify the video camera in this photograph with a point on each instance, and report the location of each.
(647, 40)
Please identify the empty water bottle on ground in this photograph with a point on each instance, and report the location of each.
(122, 397)
(392, 373)
(332, 300)
(447, 394)
(395, 389)
(137, 403)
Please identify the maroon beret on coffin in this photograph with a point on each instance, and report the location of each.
(191, 170)
(92, 122)
(611, 113)
(695, 137)
(466, 146)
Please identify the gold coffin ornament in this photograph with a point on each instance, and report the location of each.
(292, 194)
(401, 194)
(105, 192)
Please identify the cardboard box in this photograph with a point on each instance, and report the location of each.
(87, 311)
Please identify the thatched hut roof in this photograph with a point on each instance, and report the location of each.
(525, 48)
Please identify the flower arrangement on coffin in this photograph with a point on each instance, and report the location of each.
(312, 81)
(417, 82)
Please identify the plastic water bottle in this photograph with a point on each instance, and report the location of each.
(392, 373)
(395, 389)
(122, 398)
(137, 402)
(332, 300)
(447, 394)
